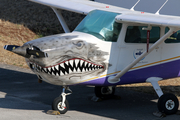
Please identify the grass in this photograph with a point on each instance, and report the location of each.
(13, 35)
(39, 35)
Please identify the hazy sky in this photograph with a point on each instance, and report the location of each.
(172, 7)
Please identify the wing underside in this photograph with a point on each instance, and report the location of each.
(85, 6)
(79, 6)
(150, 19)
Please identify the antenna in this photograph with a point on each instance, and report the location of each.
(161, 7)
(135, 5)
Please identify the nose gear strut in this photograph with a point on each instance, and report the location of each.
(60, 103)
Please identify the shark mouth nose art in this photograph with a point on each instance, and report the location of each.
(71, 66)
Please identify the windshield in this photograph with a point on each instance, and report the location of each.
(101, 24)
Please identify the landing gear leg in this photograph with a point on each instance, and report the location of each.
(60, 103)
(104, 91)
(167, 103)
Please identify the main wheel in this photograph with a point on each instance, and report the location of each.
(168, 104)
(57, 105)
(107, 91)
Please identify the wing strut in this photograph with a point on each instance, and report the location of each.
(61, 20)
(135, 5)
(161, 7)
(145, 53)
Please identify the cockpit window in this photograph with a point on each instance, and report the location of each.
(101, 24)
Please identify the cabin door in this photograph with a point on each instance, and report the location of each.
(134, 43)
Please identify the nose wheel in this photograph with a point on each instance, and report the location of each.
(60, 106)
(60, 103)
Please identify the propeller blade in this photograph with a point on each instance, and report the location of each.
(26, 51)
(10, 47)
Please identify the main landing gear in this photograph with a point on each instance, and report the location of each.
(104, 91)
(60, 103)
(167, 103)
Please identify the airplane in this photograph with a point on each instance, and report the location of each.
(111, 46)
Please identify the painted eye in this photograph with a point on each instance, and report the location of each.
(79, 44)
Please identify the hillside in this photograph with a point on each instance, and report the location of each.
(22, 21)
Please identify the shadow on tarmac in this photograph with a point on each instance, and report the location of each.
(23, 92)
(25, 86)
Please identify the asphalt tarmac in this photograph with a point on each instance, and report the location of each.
(23, 98)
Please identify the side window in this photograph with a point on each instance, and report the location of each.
(174, 38)
(135, 34)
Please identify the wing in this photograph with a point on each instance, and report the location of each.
(85, 6)
(150, 19)
(79, 6)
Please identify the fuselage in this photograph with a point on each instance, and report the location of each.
(72, 58)
(99, 48)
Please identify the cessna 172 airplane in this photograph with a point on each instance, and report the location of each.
(111, 46)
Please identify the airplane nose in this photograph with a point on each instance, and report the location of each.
(25, 51)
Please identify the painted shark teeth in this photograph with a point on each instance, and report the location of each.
(69, 67)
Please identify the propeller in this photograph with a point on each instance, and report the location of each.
(10, 47)
(26, 51)
(36, 52)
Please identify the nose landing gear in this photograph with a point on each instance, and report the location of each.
(60, 103)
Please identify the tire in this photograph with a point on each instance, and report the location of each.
(168, 104)
(104, 92)
(56, 105)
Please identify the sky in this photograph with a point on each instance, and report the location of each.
(172, 7)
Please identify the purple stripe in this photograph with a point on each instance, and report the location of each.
(164, 70)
